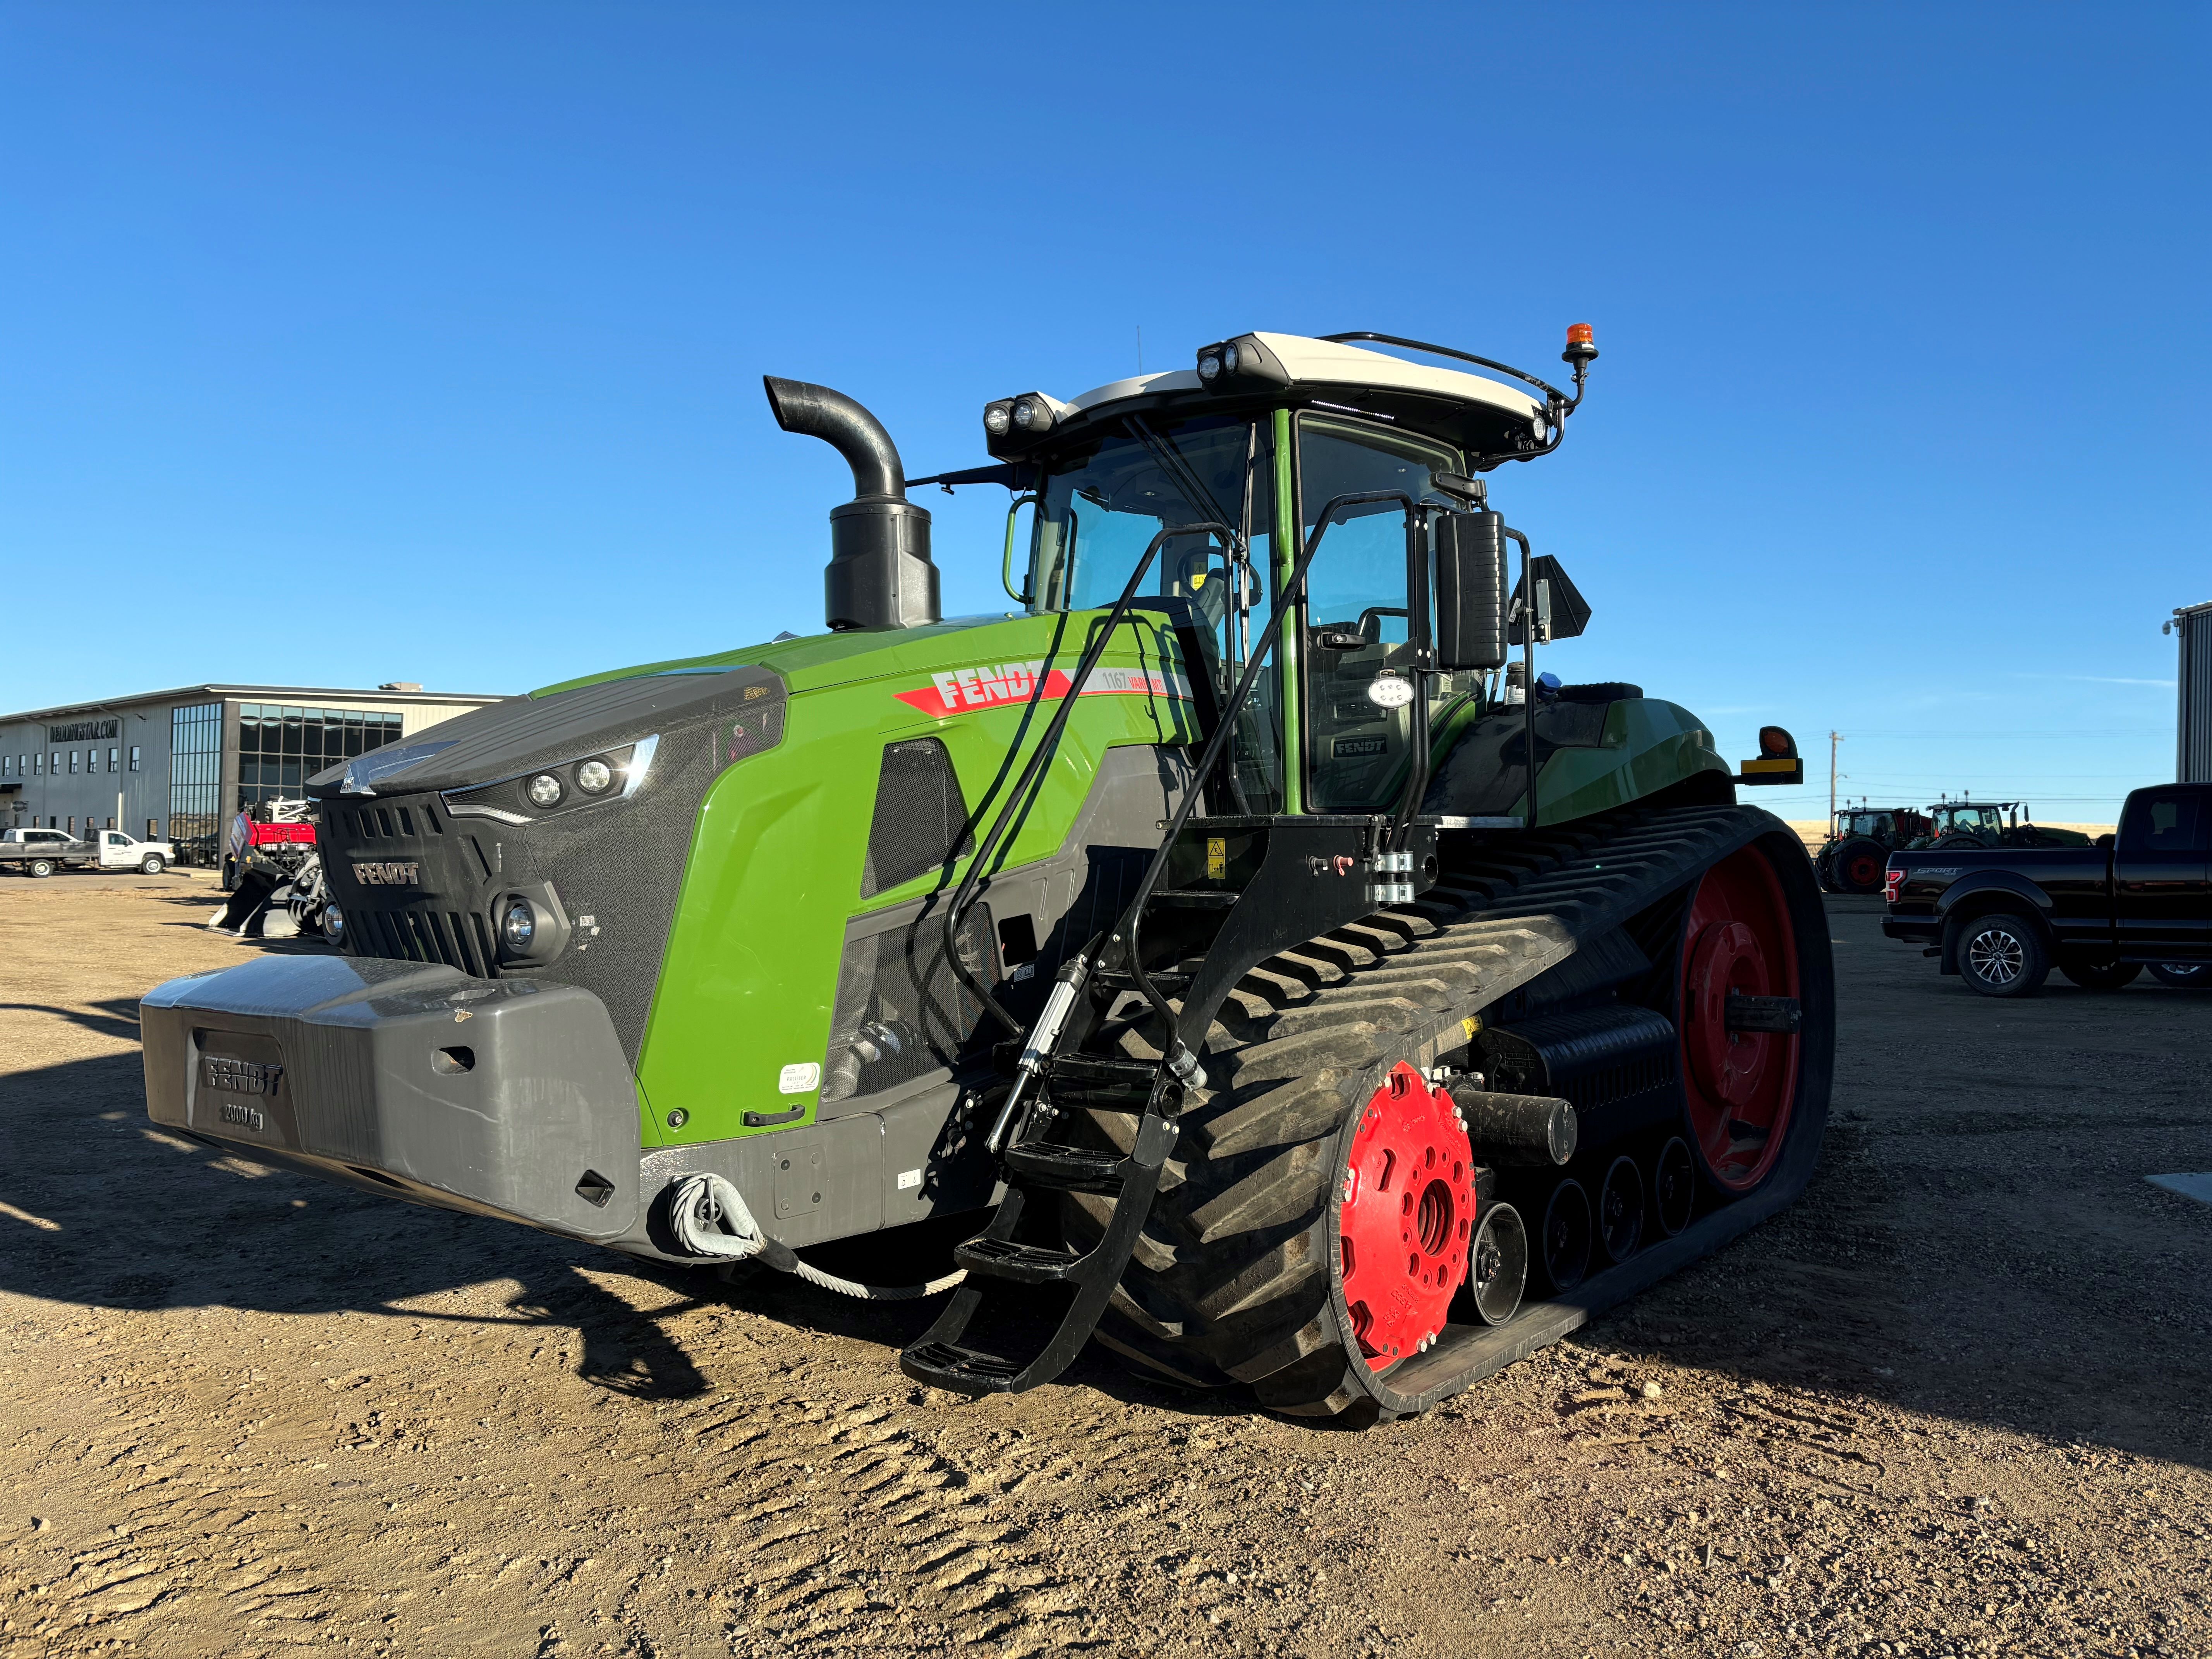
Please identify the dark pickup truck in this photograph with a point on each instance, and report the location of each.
(2003, 917)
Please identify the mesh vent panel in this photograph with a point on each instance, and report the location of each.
(920, 818)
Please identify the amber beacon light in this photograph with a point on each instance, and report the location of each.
(1778, 761)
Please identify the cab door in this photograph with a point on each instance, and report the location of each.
(1357, 656)
(2161, 900)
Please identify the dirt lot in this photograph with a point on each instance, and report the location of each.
(1958, 1401)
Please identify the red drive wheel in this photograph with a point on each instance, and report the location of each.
(1737, 1085)
(1407, 1219)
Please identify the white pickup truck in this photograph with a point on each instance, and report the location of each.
(42, 852)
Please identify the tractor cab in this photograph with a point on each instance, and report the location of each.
(1397, 650)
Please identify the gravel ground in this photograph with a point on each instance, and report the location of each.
(1953, 1402)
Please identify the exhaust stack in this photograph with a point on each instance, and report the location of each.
(879, 573)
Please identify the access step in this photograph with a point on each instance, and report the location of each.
(1018, 1264)
(1066, 1169)
(964, 1371)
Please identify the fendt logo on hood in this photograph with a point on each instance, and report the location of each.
(387, 875)
(994, 685)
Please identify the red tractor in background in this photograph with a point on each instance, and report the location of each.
(1860, 842)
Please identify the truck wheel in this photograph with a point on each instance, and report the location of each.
(2002, 956)
(2184, 975)
(42, 866)
(151, 865)
(2101, 975)
(1858, 864)
(1824, 869)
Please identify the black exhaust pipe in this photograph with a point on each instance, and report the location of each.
(879, 573)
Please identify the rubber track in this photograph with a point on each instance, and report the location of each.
(1231, 1276)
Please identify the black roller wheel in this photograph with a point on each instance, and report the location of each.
(1563, 1247)
(1673, 1187)
(2184, 975)
(1498, 1268)
(2101, 975)
(1621, 1210)
(2003, 956)
(1857, 864)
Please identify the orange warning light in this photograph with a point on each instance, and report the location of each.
(1579, 334)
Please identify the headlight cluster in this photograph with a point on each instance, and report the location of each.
(594, 776)
(1244, 359)
(1017, 421)
(518, 927)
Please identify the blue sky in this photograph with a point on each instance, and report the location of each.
(346, 343)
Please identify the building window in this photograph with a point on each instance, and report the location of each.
(152, 830)
(195, 780)
(72, 767)
(113, 759)
(134, 761)
(280, 747)
(72, 822)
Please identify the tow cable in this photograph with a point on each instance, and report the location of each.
(710, 1217)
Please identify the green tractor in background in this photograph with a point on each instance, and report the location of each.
(1255, 965)
(1964, 823)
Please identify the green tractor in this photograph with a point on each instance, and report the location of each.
(1238, 946)
(1857, 849)
(1964, 825)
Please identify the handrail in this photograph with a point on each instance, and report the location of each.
(1019, 798)
(1007, 562)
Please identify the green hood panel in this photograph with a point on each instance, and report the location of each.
(774, 873)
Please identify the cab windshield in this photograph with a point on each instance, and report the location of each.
(1098, 507)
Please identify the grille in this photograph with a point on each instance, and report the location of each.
(458, 938)
(417, 923)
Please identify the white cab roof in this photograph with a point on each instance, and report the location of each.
(1313, 363)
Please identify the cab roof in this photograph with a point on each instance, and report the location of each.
(1472, 410)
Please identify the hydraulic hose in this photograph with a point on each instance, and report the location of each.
(710, 1218)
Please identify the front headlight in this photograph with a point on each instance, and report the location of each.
(1209, 368)
(333, 924)
(544, 790)
(518, 927)
(997, 418)
(1229, 356)
(593, 776)
(1031, 415)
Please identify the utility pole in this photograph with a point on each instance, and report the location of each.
(1834, 737)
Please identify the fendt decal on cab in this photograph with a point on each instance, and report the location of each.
(994, 685)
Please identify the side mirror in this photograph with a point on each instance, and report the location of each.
(1470, 590)
(1561, 611)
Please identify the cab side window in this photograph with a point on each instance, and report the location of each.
(2163, 823)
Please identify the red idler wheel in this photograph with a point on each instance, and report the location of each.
(1737, 1085)
(1408, 1220)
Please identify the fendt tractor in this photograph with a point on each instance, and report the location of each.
(1299, 990)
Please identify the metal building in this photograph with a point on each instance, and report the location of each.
(2193, 723)
(177, 764)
